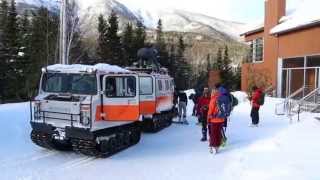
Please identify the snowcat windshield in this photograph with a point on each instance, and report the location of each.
(70, 83)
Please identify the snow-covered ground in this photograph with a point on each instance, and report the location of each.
(275, 150)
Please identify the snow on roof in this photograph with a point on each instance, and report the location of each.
(306, 13)
(252, 28)
(75, 68)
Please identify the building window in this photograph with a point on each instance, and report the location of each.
(256, 50)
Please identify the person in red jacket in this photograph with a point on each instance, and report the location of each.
(216, 118)
(256, 95)
(202, 109)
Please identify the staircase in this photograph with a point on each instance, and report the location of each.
(303, 100)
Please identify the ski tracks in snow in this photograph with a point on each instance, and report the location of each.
(79, 162)
(31, 157)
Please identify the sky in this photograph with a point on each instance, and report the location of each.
(246, 11)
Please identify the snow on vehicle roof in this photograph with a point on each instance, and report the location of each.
(306, 13)
(75, 68)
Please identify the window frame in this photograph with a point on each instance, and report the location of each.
(253, 50)
(44, 80)
(110, 97)
(152, 89)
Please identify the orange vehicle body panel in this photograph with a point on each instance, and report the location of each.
(147, 107)
(163, 100)
(118, 113)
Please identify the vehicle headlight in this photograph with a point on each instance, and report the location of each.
(36, 110)
(85, 114)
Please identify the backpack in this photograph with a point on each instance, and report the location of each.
(234, 101)
(224, 106)
(261, 99)
(221, 109)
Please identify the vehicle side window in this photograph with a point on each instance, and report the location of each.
(120, 86)
(160, 85)
(146, 87)
(172, 85)
(167, 85)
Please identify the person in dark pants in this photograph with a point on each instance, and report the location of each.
(256, 95)
(182, 106)
(202, 109)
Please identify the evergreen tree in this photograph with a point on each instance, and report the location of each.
(226, 60)
(226, 73)
(113, 41)
(183, 69)
(3, 16)
(3, 49)
(209, 66)
(219, 63)
(161, 46)
(139, 38)
(102, 42)
(24, 54)
(11, 43)
(43, 44)
(127, 43)
(77, 50)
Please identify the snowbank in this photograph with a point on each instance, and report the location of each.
(241, 96)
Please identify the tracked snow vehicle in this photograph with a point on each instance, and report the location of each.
(100, 110)
(93, 110)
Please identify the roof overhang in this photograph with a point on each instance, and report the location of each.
(261, 29)
(302, 27)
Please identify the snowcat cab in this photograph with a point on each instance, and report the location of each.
(93, 110)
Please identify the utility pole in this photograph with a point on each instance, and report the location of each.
(63, 33)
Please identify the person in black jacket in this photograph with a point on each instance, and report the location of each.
(183, 101)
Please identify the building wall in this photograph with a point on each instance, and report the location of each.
(300, 43)
(254, 36)
(267, 70)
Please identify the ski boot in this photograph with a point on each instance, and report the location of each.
(204, 136)
(203, 139)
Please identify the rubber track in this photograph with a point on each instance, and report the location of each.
(43, 140)
(92, 148)
(158, 125)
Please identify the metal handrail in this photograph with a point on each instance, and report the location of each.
(296, 93)
(309, 95)
(287, 105)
